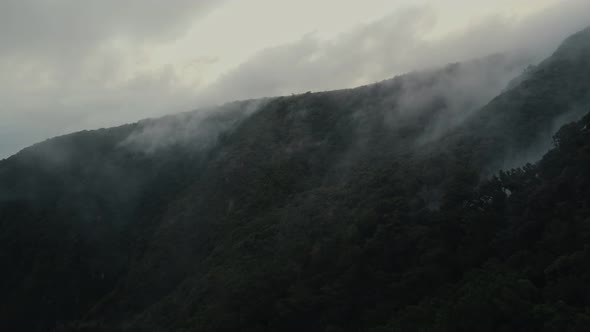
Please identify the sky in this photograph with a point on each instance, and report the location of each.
(69, 65)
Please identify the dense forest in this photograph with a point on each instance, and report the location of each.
(398, 206)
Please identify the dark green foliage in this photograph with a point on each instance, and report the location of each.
(319, 212)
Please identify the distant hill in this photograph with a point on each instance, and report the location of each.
(438, 200)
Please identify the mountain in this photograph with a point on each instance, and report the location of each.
(379, 208)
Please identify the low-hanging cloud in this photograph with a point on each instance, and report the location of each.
(68, 66)
(394, 45)
(198, 130)
(457, 91)
(73, 28)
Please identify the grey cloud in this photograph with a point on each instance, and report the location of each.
(61, 62)
(360, 56)
(65, 41)
(47, 112)
(394, 45)
(63, 26)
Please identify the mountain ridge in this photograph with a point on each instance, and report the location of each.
(340, 210)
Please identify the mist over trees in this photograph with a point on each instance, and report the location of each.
(454, 199)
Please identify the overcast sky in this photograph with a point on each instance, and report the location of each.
(68, 65)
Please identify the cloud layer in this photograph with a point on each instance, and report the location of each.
(393, 45)
(68, 66)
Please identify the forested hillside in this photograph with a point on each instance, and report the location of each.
(417, 203)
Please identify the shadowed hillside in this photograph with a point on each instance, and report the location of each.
(376, 208)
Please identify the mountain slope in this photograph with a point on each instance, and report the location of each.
(344, 210)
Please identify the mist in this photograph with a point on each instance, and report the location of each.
(287, 166)
(394, 45)
(198, 130)
(70, 70)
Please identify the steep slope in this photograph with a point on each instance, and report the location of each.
(293, 208)
(339, 210)
(530, 229)
(553, 93)
(73, 208)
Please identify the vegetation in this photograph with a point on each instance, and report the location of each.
(332, 211)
